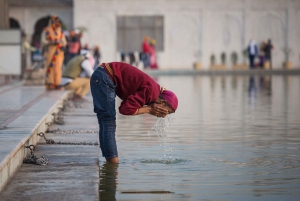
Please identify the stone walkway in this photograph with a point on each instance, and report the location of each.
(24, 111)
(15, 99)
(73, 170)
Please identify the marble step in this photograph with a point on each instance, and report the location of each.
(22, 131)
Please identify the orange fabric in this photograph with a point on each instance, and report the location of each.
(54, 57)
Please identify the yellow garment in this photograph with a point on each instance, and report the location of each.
(53, 40)
(80, 85)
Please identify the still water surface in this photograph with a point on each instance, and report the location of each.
(232, 138)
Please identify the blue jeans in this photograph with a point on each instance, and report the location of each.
(103, 92)
(146, 60)
(251, 59)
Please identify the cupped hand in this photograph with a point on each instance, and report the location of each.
(158, 110)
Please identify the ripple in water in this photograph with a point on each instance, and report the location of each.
(164, 161)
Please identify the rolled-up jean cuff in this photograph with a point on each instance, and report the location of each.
(109, 157)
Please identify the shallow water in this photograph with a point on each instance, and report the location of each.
(232, 138)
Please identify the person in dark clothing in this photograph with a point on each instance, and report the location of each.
(139, 93)
(123, 56)
(261, 54)
(268, 52)
(252, 52)
(131, 58)
(97, 56)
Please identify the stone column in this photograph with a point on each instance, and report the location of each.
(4, 14)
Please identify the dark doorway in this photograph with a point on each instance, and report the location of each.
(14, 24)
(38, 29)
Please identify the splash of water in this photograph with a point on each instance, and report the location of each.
(162, 129)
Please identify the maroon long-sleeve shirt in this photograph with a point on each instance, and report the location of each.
(134, 87)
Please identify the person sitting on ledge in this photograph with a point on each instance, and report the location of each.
(77, 73)
(140, 94)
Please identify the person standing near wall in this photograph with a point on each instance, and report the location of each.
(252, 52)
(153, 61)
(53, 40)
(261, 54)
(146, 52)
(268, 52)
(97, 56)
(25, 46)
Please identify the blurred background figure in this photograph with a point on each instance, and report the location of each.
(25, 46)
(85, 47)
(53, 41)
(97, 56)
(132, 60)
(261, 54)
(77, 73)
(146, 52)
(73, 45)
(252, 52)
(152, 50)
(268, 52)
(123, 56)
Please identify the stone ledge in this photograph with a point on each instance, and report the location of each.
(224, 72)
(23, 132)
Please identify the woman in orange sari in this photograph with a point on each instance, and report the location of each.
(53, 40)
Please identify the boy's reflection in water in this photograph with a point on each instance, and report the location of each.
(108, 181)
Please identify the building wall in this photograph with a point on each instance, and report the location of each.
(196, 29)
(28, 16)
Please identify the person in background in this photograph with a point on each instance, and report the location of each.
(85, 47)
(268, 52)
(92, 61)
(131, 58)
(139, 93)
(261, 54)
(252, 52)
(146, 52)
(53, 40)
(73, 45)
(97, 56)
(153, 63)
(76, 75)
(25, 46)
(123, 56)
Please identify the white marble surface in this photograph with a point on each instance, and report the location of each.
(73, 170)
(190, 26)
(193, 26)
(33, 112)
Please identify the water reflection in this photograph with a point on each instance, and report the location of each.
(237, 136)
(259, 84)
(108, 181)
